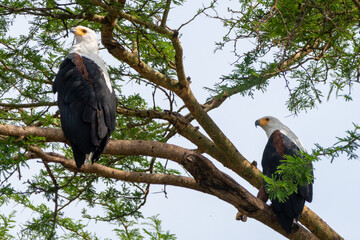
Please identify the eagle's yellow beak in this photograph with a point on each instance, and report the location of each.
(78, 31)
(262, 122)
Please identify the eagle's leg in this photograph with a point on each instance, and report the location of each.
(262, 194)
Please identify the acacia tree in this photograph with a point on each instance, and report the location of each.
(308, 43)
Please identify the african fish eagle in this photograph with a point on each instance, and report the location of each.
(282, 141)
(86, 98)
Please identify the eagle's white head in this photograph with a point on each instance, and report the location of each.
(86, 41)
(271, 124)
(86, 45)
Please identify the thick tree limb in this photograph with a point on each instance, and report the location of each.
(108, 172)
(233, 159)
(196, 164)
(183, 127)
(208, 178)
(51, 134)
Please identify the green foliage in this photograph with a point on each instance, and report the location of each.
(293, 171)
(129, 234)
(346, 145)
(246, 78)
(6, 224)
(297, 170)
(11, 157)
(137, 127)
(157, 233)
(154, 231)
(29, 62)
(308, 43)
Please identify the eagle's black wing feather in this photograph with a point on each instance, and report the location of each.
(87, 107)
(277, 146)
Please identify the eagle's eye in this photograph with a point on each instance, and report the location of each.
(84, 31)
(267, 119)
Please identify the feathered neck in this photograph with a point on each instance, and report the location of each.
(275, 124)
(85, 48)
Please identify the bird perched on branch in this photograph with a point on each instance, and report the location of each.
(282, 141)
(86, 98)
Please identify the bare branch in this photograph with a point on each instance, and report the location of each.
(165, 14)
(211, 6)
(27, 105)
(49, 12)
(56, 210)
(184, 83)
(146, 24)
(103, 171)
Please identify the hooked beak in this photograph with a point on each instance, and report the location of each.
(257, 123)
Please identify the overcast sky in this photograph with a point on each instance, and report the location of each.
(192, 215)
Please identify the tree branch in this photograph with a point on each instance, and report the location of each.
(27, 105)
(182, 126)
(120, 53)
(108, 172)
(205, 173)
(234, 160)
(51, 134)
(165, 14)
(184, 83)
(49, 12)
(146, 24)
(208, 178)
(284, 66)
